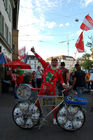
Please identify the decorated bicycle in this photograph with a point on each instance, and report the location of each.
(67, 113)
(69, 109)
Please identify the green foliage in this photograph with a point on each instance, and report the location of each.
(86, 56)
(73, 69)
(26, 79)
(90, 43)
(87, 64)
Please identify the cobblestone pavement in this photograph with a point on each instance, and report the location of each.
(9, 131)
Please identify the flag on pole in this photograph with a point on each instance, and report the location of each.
(2, 59)
(21, 53)
(87, 23)
(25, 58)
(80, 43)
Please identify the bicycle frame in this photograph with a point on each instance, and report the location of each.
(44, 101)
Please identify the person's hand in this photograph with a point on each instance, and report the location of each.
(33, 50)
(72, 87)
(64, 85)
(67, 85)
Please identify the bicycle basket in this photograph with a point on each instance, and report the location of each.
(76, 100)
(50, 100)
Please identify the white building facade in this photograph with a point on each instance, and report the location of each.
(6, 20)
(33, 62)
(69, 61)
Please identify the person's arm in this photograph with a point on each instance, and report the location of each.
(74, 82)
(43, 62)
(60, 79)
(67, 77)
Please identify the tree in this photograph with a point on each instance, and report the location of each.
(85, 61)
(87, 64)
(86, 56)
(90, 43)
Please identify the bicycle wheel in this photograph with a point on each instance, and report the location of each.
(70, 117)
(26, 115)
(23, 92)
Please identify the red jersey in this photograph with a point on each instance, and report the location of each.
(50, 76)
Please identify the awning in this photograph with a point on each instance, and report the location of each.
(18, 63)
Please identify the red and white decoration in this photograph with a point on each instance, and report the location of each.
(22, 53)
(80, 43)
(87, 23)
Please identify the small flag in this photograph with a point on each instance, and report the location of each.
(87, 23)
(21, 53)
(80, 43)
(25, 59)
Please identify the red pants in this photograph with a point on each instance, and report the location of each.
(50, 91)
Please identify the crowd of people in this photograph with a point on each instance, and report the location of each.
(78, 80)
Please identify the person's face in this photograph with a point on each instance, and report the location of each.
(61, 66)
(54, 63)
(38, 68)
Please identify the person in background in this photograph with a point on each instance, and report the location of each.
(91, 80)
(79, 80)
(20, 76)
(38, 77)
(33, 79)
(91, 84)
(65, 75)
(6, 81)
(87, 77)
(50, 76)
(13, 81)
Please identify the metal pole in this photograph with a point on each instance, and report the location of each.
(68, 47)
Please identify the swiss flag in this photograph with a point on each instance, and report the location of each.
(21, 53)
(87, 23)
(80, 44)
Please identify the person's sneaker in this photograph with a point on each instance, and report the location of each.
(54, 121)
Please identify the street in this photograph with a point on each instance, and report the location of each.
(9, 131)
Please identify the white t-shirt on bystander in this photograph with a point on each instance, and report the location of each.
(91, 77)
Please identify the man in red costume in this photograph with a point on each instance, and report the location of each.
(51, 75)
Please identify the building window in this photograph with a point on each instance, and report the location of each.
(1, 24)
(6, 32)
(9, 38)
(10, 13)
(5, 4)
(7, 7)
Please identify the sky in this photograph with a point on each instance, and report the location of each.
(49, 25)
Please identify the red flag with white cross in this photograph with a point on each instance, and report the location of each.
(80, 43)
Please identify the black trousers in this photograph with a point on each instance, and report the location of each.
(38, 82)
